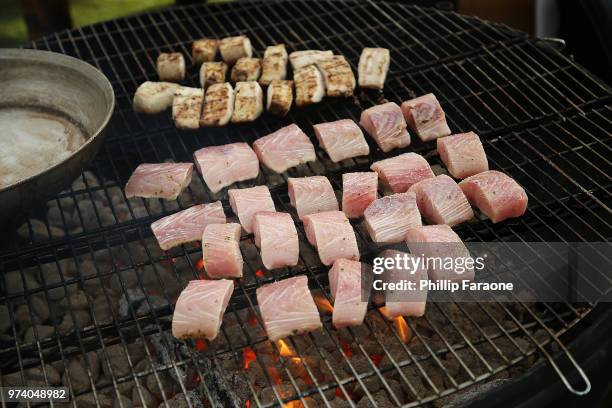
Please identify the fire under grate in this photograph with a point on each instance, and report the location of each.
(87, 295)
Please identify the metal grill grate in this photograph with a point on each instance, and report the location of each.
(543, 120)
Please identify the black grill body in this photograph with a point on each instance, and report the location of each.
(543, 119)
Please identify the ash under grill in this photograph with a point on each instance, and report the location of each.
(87, 295)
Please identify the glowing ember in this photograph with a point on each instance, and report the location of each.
(200, 264)
(346, 348)
(293, 404)
(252, 319)
(196, 378)
(402, 329)
(276, 379)
(284, 349)
(259, 273)
(201, 345)
(248, 355)
(248, 403)
(323, 304)
(376, 359)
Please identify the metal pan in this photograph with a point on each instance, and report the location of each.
(53, 112)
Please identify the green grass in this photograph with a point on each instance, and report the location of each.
(13, 30)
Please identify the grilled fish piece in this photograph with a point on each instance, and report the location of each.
(245, 202)
(333, 236)
(285, 148)
(187, 107)
(440, 242)
(274, 64)
(463, 154)
(441, 201)
(345, 288)
(199, 309)
(301, 59)
(154, 97)
(309, 85)
(234, 48)
(223, 165)
(373, 67)
(218, 105)
(246, 69)
(426, 117)
(404, 303)
(386, 125)
(310, 195)
(338, 76)
(495, 194)
(401, 172)
(388, 218)
(248, 104)
(159, 180)
(187, 225)
(212, 73)
(287, 308)
(277, 238)
(221, 251)
(171, 67)
(358, 192)
(341, 139)
(280, 97)
(204, 50)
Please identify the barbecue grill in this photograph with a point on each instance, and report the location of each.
(88, 295)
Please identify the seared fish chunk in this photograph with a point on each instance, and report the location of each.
(274, 64)
(171, 67)
(248, 104)
(204, 50)
(280, 97)
(154, 97)
(301, 59)
(373, 67)
(246, 69)
(309, 86)
(234, 48)
(186, 107)
(212, 73)
(338, 76)
(218, 105)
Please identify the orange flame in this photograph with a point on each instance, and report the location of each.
(248, 356)
(200, 264)
(259, 273)
(201, 345)
(323, 304)
(284, 349)
(293, 404)
(384, 311)
(402, 328)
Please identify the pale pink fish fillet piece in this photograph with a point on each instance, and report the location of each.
(159, 180)
(345, 287)
(425, 116)
(496, 194)
(310, 195)
(401, 172)
(333, 236)
(287, 308)
(341, 139)
(463, 154)
(277, 239)
(287, 147)
(223, 165)
(389, 218)
(439, 241)
(245, 202)
(199, 309)
(187, 225)
(416, 300)
(358, 191)
(221, 251)
(386, 125)
(441, 201)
